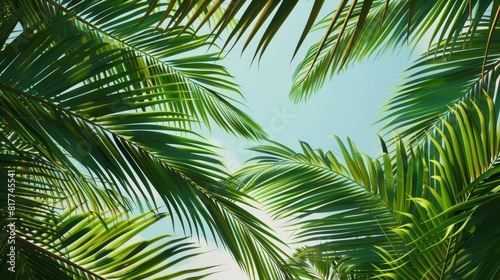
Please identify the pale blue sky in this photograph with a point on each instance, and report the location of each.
(347, 105)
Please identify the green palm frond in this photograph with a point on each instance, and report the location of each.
(313, 269)
(446, 75)
(110, 107)
(414, 215)
(338, 211)
(89, 246)
(50, 185)
(165, 58)
(251, 17)
(464, 156)
(361, 28)
(8, 21)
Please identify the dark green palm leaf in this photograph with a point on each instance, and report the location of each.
(203, 85)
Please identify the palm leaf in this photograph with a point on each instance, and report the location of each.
(254, 17)
(414, 215)
(99, 108)
(96, 247)
(365, 27)
(465, 159)
(203, 84)
(444, 76)
(339, 210)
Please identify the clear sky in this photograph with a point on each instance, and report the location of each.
(348, 105)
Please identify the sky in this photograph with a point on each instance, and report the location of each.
(346, 106)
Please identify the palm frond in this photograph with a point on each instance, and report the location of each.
(313, 269)
(465, 160)
(166, 59)
(337, 211)
(250, 17)
(89, 246)
(446, 75)
(364, 27)
(414, 215)
(101, 109)
(51, 185)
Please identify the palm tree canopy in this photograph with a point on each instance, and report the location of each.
(411, 215)
(100, 104)
(99, 112)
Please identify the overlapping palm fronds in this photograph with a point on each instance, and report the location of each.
(100, 101)
(413, 215)
(98, 106)
(91, 246)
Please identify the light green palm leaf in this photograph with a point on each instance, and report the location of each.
(89, 246)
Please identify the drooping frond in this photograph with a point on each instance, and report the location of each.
(90, 246)
(251, 17)
(168, 62)
(112, 102)
(361, 28)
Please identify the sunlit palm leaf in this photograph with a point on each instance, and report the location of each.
(361, 28)
(314, 269)
(414, 215)
(91, 247)
(251, 16)
(465, 159)
(444, 76)
(341, 211)
(99, 105)
(50, 183)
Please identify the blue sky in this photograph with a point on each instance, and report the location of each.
(346, 106)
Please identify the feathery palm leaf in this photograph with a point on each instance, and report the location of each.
(465, 162)
(415, 215)
(339, 210)
(110, 104)
(446, 75)
(314, 269)
(88, 246)
(196, 79)
(361, 28)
